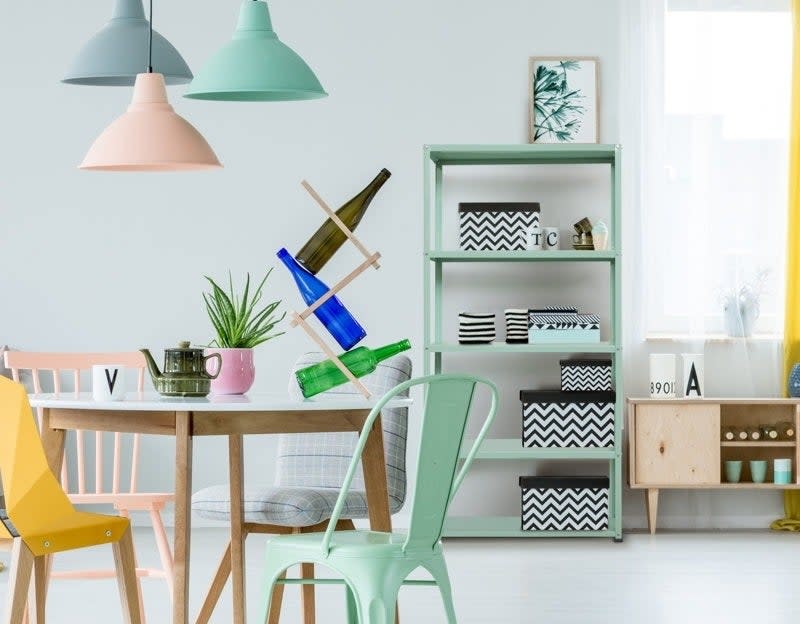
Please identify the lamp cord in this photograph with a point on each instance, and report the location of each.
(150, 42)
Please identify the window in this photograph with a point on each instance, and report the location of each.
(715, 213)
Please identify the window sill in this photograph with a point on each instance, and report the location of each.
(710, 337)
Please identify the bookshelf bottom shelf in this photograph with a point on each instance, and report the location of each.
(505, 526)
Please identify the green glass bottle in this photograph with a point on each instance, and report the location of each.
(328, 238)
(360, 361)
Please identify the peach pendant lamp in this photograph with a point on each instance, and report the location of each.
(150, 135)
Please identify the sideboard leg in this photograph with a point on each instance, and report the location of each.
(652, 509)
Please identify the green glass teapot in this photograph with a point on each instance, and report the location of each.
(185, 371)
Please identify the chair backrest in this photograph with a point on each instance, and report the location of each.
(321, 460)
(65, 370)
(448, 400)
(30, 488)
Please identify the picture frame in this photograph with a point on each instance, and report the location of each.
(570, 99)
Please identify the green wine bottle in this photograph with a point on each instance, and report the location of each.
(328, 238)
(360, 361)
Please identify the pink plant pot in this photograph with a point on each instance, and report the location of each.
(237, 374)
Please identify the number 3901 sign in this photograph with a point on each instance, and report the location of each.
(662, 375)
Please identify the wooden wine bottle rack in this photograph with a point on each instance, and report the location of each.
(299, 318)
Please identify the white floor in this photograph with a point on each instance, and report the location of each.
(680, 578)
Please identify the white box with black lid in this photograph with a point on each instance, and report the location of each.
(564, 503)
(551, 418)
(496, 226)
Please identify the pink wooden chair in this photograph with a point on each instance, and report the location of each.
(124, 497)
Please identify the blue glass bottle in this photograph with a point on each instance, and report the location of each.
(332, 314)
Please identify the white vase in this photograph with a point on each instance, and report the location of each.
(740, 316)
(662, 375)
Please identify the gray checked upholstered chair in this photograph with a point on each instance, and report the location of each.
(309, 475)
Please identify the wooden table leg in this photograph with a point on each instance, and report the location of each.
(374, 463)
(183, 515)
(236, 468)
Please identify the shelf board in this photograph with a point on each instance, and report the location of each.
(503, 347)
(558, 255)
(511, 448)
(759, 443)
(505, 526)
(523, 154)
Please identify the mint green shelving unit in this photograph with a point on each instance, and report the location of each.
(436, 157)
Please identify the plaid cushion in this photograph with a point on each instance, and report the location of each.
(312, 466)
(284, 506)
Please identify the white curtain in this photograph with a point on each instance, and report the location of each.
(703, 111)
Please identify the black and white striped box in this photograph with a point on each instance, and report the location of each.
(476, 328)
(516, 325)
(564, 503)
(585, 375)
(496, 226)
(551, 418)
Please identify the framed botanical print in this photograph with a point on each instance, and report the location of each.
(563, 93)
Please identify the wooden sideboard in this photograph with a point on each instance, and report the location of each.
(676, 444)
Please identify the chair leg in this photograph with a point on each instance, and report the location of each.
(125, 563)
(217, 585)
(438, 570)
(374, 587)
(308, 599)
(274, 612)
(352, 608)
(164, 550)
(307, 592)
(20, 578)
(126, 514)
(374, 605)
(37, 591)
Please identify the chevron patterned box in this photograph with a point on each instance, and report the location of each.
(585, 375)
(496, 226)
(551, 418)
(564, 503)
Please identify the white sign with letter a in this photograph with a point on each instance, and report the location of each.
(693, 375)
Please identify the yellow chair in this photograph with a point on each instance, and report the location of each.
(40, 520)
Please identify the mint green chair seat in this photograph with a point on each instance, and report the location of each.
(374, 565)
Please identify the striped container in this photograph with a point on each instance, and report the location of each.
(516, 325)
(546, 326)
(564, 503)
(567, 419)
(475, 328)
(585, 375)
(496, 226)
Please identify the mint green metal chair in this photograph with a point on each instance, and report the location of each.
(375, 565)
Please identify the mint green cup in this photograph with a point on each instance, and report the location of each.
(782, 471)
(758, 471)
(733, 471)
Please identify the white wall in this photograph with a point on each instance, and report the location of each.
(116, 261)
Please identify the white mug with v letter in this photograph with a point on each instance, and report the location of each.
(108, 382)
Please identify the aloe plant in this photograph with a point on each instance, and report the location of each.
(235, 319)
(557, 108)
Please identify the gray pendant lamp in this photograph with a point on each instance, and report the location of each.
(119, 51)
(255, 66)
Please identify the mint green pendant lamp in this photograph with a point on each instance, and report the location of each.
(119, 51)
(255, 66)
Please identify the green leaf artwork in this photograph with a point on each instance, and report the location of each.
(558, 108)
